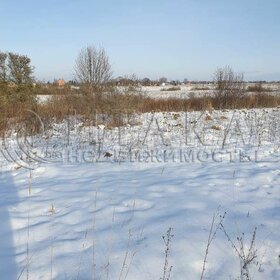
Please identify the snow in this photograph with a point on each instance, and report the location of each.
(41, 99)
(184, 92)
(68, 213)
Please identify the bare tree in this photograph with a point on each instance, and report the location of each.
(92, 68)
(19, 69)
(229, 86)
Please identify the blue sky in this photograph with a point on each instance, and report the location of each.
(176, 38)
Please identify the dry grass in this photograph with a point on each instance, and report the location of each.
(215, 127)
(171, 89)
(258, 100)
(195, 88)
(258, 88)
(111, 107)
(208, 118)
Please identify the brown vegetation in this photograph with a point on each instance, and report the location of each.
(15, 107)
(199, 88)
(171, 89)
(258, 88)
(112, 107)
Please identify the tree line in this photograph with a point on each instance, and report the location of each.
(94, 72)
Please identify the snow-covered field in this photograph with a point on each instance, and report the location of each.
(182, 91)
(98, 200)
(193, 90)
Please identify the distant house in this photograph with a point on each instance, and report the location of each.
(60, 83)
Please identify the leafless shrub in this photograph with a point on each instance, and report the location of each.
(167, 239)
(126, 262)
(229, 86)
(217, 221)
(246, 257)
